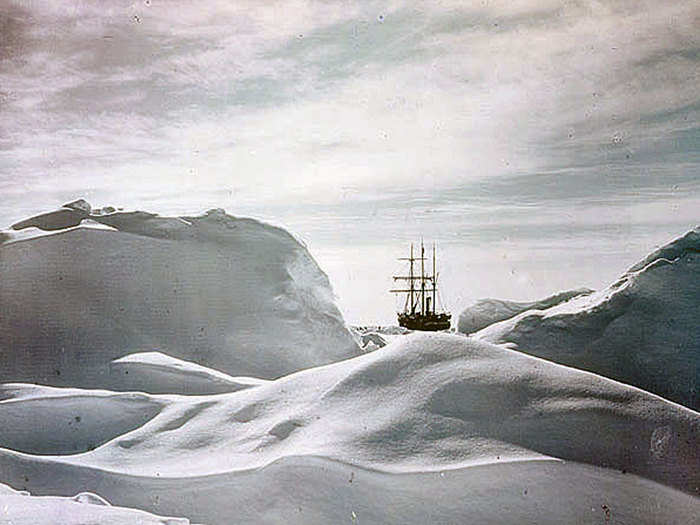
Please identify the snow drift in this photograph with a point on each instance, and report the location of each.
(19, 507)
(419, 423)
(485, 312)
(316, 491)
(644, 329)
(46, 420)
(158, 373)
(228, 293)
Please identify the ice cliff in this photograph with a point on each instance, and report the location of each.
(82, 287)
(644, 329)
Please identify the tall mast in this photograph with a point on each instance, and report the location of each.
(410, 279)
(422, 278)
(434, 279)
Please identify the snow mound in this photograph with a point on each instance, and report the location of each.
(446, 402)
(423, 420)
(312, 491)
(485, 312)
(91, 499)
(158, 373)
(45, 420)
(63, 218)
(642, 330)
(232, 294)
(373, 339)
(19, 507)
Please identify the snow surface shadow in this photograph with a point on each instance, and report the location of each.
(310, 491)
(64, 422)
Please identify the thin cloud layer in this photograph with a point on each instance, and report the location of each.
(312, 100)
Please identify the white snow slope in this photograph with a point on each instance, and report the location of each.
(485, 312)
(429, 429)
(643, 329)
(161, 374)
(21, 508)
(232, 294)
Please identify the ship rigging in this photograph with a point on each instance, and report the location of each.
(420, 310)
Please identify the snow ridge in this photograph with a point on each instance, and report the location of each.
(232, 294)
(643, 329)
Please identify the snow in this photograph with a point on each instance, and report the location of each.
(55, 220)
(372, 338)
(424, 406)
(319, 491)
(21, 508)
(159, 373)
(232, 294)
(199, 368)
(45, 420)
(485, 312)
(642, 330)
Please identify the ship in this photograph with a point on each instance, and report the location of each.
(420, 310)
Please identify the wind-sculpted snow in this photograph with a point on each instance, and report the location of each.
(485, 312)
(232, 294)
(442, 426)
(158, 373)
(643, 330)
(19, 507)
(425, 403)
(431, 428)
(46, 420)
(317, 491)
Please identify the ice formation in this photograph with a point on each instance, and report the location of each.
(438, 428)
(159, 373)
(232, 294)
(644, 329)
(485, 312)
(445, 408)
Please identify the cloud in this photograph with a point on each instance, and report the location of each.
(318, 99)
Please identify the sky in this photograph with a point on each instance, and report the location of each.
(543, 145)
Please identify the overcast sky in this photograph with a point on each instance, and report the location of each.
(503, 113)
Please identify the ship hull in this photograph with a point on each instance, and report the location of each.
(425, 322)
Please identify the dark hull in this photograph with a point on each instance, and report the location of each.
(427, 322)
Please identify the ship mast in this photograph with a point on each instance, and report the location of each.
(415, 294)
(424, 316)
(434, 281)
(422, 278)
(410, 279)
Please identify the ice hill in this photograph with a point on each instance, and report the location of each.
(485, 312)
(429, 429)
(81, 287)
(643, 330)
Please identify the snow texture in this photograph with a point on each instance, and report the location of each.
(485, 312)
(21, 508)
(227, 293)
(419, 423)
(47, 420)
(430, 428)
(159, 373)
(644, 329)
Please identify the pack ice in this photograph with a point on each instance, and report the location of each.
(430, 428)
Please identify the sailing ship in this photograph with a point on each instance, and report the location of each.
(420, 311)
